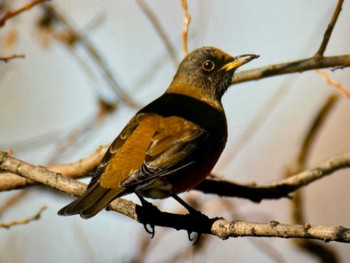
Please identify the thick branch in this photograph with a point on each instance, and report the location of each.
(81, 168)
(221, 228)
(224, 229)
(292, 67)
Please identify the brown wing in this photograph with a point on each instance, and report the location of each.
(124, 157)
(172, 144)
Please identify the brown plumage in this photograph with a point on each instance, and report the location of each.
(173, 143)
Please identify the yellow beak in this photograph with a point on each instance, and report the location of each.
(239, 61)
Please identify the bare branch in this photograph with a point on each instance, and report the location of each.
(81, 168)
(313, 131)
(292, 67)
(24, 221)
(334, 84)
(316, 249)
(276, 190)
(6, 59)
(328, 33)
(221, 228)
(11, 14)
(10, 202)
(77, 36)
(225, 229)
(187, 21)
(159, 29)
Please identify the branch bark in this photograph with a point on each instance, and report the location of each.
(24, 8)
(6, 59)
(292, 67)
(215, 226)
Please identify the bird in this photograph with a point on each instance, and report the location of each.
(172, 144)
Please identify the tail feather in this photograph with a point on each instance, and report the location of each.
(93, 201)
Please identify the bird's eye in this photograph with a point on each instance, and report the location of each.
(208, 65)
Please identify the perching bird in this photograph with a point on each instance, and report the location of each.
(173, 143)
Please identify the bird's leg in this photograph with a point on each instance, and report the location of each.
(197, 215)
(148, 206)
(189, 208)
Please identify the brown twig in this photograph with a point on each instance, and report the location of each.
(159, 29)
(296, 66)
(10, 202)
(187, 21)
(6, 59)
(82, 131)
(24, 221)
(328, 33)
(75, 36)
(11, 14)
(334, 84)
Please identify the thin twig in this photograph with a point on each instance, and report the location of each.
(334, 84)
(6, 59)
(82, 132)
(10, 202)
(328, 33)
(296, 66)
(159, 29)
(79, 37)
(187, 21)
(24, 221)
(314, 130)
(11, 14)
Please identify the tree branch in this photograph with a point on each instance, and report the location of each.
(328, 33)
(11, 14)
(81, 168)
(187, 21)
(24, 221)
(292, 67)
(6, 59)
(277, 190)
(221, 228)
(79, 37)
(320, 251)
(224, 230)
(159, 29)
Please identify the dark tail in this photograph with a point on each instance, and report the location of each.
(95, 199)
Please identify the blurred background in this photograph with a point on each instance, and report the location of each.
(60, 103)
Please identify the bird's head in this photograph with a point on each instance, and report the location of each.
(206, 73)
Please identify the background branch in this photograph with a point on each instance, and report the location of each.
(10, 14)
(6, 59)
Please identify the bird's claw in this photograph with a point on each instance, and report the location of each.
(196, 239)
(150, 230)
